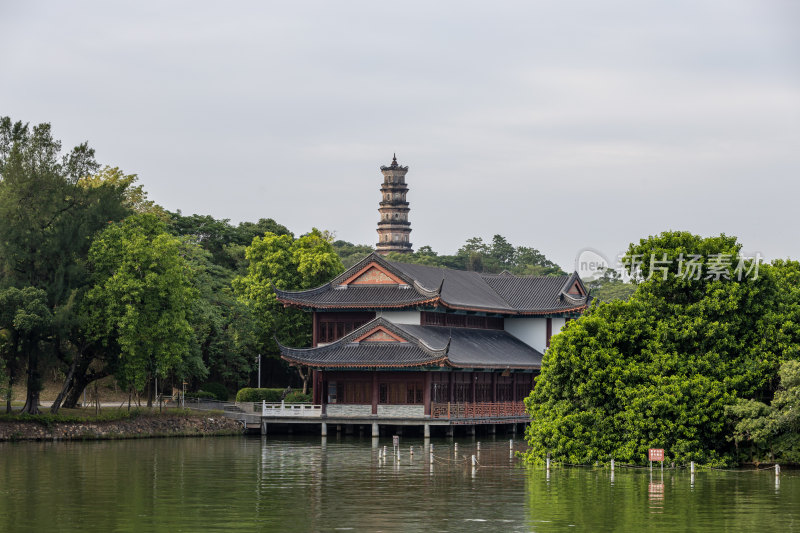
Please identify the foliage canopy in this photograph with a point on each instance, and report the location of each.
(659, 369)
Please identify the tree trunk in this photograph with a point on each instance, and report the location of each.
(34, 384)
(67, 383)
(304, 377)
(149, 393)
(8, 392)
(80, 381)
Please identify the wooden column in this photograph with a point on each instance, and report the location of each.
(426, 393)
(314, 329)
(323, 400)
(375, 392)
(473, 377)
(315, 387)
(549, 331)
(452, 385)
(494, 387)
(514, 387)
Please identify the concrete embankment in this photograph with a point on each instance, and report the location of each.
(133, 428)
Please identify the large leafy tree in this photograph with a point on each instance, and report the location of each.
(771, 432)
(659, 369)
(226, 332)
(25, 323)
(288, 264)
(140, 300)
(48, 220)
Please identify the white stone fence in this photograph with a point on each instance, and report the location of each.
(291, 409)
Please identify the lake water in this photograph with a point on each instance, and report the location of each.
(302, 484)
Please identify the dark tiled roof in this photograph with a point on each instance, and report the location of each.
(425, 346)
(357, 297)
(346, 353)
(478, 348)
(531, 295)
(460, 288)
(454, 289)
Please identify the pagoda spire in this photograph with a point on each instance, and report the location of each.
(393, 227)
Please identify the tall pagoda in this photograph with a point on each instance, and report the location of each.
(393, 226)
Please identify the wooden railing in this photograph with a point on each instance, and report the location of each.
(478, 410)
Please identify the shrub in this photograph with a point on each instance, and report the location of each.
(298, 397)
(256, 395)
(201, 395)
(219, 390)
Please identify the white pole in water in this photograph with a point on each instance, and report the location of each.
(548, 462)
(455, 450)
(474, 461)
(511, 444)
(777, 469)
(612, 465)
(411, 450)
(691, 467)
(479, 445)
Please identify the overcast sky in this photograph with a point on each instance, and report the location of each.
(558, 124)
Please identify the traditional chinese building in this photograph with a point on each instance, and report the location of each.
(407, 344)
(394, 228)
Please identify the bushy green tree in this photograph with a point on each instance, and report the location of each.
(140, 300)
(25, 323)
(771, 432)
(659, 369)
(610, 286)
(288, 264)
(48, 220)
(350, 253)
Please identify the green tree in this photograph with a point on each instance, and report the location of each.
(288, 264)
(140, 300)
(225, 242)
(225, 332)
(771, 432)
(350, 253)
(48, 222)
(475, 255)
(659, 369)
(610, 286)
(26, 323)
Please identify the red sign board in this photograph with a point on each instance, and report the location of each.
(656, 454)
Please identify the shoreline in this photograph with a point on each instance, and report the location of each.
(139, 427)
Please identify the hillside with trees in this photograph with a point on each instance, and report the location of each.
(475, 255)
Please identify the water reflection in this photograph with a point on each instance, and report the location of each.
(313, 484)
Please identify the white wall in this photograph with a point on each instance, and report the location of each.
(401, 317)
(558, 323)
(531, 330)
